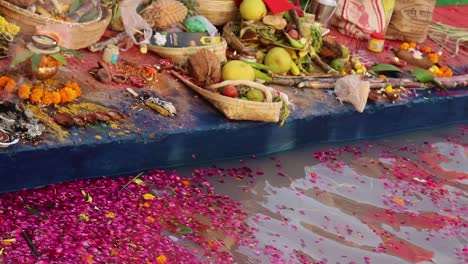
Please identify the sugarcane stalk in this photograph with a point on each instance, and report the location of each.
(103, 44)
(84, 9)
(447, 82)
(295, 80)
(318, 61)
(296, 20)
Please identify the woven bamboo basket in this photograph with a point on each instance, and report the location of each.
(238, 109)
(180, 55)
(218, 12)
(82, 34)
(230, 31)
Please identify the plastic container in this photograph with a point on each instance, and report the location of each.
(111, 54)
(248, 54)
(376, 42)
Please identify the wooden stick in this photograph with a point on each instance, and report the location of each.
(31, 245)
(297, 22)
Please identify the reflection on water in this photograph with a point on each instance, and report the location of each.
(395, 200)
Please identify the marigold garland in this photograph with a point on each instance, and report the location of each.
(37, 94)
(7, 84)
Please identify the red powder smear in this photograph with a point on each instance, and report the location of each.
(434, 160)
(429, 220)
(402, 249)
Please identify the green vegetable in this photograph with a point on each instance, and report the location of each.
(263, 76)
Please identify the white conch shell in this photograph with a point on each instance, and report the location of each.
(353, 90)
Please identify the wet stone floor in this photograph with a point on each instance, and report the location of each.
(399, 199)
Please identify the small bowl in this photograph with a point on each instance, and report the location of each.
(6, 140)
(44, 42)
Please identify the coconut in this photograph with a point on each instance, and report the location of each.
(205, 67)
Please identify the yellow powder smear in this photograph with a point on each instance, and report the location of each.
(80, 108)
(56, 129)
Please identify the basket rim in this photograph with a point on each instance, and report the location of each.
(222, 43)
(22, 11)
(222, 97)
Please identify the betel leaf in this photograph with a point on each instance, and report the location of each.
(59, 57)
(385, 68)
(422, 75)
(21, 57)
(35, 61)
(72, 52)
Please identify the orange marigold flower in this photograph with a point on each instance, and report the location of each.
(48, 98)
(67, 95)
(4, 80)
(412, 44)
(75, 87)
(161, 259)
(10, 86)
(24, 91)
(36, 95)
(404, 46)
(56, 98)
(433, 57)
(185, 182)
(426, 49)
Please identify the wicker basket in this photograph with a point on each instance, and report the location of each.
(82, 34)
(230, 31)
(238, 109)
(218, 12)
(180, 55)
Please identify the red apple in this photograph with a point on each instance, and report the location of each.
(293, 34)
(230, 91)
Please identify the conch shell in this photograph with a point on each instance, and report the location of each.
(353, 90)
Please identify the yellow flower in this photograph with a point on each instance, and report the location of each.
(398, 201)
(150, 219)
(148, 196)
(389, 89)
(84, 217)
(110, 215)
(139, 182)
(161, 259)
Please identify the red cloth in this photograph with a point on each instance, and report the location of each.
(278, 6)
(450, 15)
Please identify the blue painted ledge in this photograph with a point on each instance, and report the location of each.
(200, 134)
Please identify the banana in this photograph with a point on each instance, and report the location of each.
(262, 76)
(294, 43)
(303, 53)
(292, 53)
(294, 69)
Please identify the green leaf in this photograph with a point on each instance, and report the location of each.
(385, 68)
(21, 57)
(422, 75)
(59, 57)
(72, 52)
(35, 61)
(184, 230)
(74, 6)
